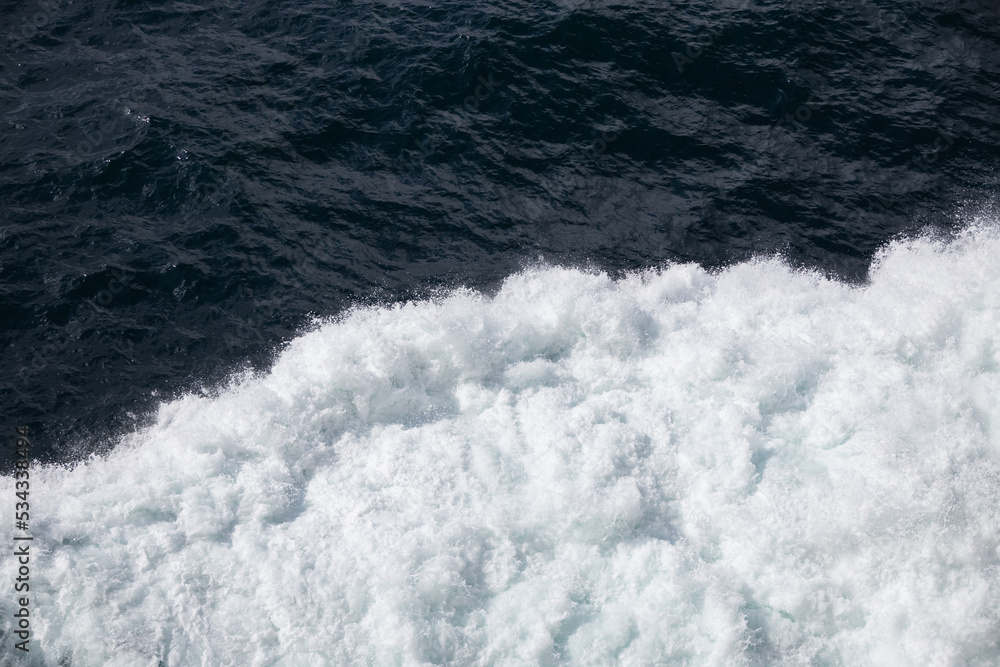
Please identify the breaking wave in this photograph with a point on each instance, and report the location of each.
(755, 466)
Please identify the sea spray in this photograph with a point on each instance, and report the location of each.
(755, 466)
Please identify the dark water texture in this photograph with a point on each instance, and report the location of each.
(183, 185)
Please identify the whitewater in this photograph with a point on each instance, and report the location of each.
(754, 466)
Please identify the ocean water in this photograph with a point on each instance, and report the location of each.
(183, 186)
(755, 466)
(575, 332)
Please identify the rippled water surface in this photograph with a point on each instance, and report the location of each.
(540, 333)
(183, 185)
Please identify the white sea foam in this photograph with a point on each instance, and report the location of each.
(752, 467)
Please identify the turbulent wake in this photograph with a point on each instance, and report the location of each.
(758, 466)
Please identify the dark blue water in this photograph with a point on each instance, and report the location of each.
(184, 186)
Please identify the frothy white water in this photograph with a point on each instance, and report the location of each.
(755, 467)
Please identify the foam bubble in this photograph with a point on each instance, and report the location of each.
(757, 466)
